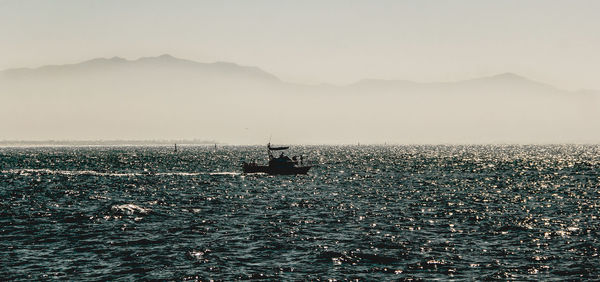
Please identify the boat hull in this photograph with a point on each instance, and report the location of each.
(252, 168)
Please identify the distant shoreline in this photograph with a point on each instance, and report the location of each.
(104, 142)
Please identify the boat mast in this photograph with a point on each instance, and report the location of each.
(269, 150)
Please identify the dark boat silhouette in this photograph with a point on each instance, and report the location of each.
(281, 165)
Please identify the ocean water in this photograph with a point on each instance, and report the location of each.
(368, 213)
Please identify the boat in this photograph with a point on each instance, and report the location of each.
(281, 165)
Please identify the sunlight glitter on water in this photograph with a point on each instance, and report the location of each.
(369, 212)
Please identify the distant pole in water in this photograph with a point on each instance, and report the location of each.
(215, 146)
(175, 148)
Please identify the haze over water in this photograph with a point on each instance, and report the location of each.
(309, 72)
(369, 212)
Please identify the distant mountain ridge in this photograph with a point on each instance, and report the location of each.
(167, 61)
(164, 61)
(504, 80)
(163, 97)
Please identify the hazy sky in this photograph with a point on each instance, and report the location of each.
(556, 42)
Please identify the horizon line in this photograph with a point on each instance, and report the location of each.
(170, 142)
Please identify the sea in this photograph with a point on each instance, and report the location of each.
(420, 212)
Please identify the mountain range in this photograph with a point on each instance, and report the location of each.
(170, 98)
(165, 62)
(168, 63)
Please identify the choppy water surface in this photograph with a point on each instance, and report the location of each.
(406, 212)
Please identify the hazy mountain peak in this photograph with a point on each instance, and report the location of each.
(164, 62)
(508, 80)
(163, 58)
(117, 59)
(509, 77)
(502, 77)
(96, 61)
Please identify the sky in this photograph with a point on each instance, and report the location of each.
(338, 42)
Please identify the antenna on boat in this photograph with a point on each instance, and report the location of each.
(269, 147)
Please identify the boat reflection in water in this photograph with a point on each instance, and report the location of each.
(278, 165)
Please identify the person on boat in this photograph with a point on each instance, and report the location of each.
(283, 158)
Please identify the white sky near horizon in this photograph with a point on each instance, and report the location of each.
(338, 42)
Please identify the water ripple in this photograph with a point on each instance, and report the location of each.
(369, 213)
